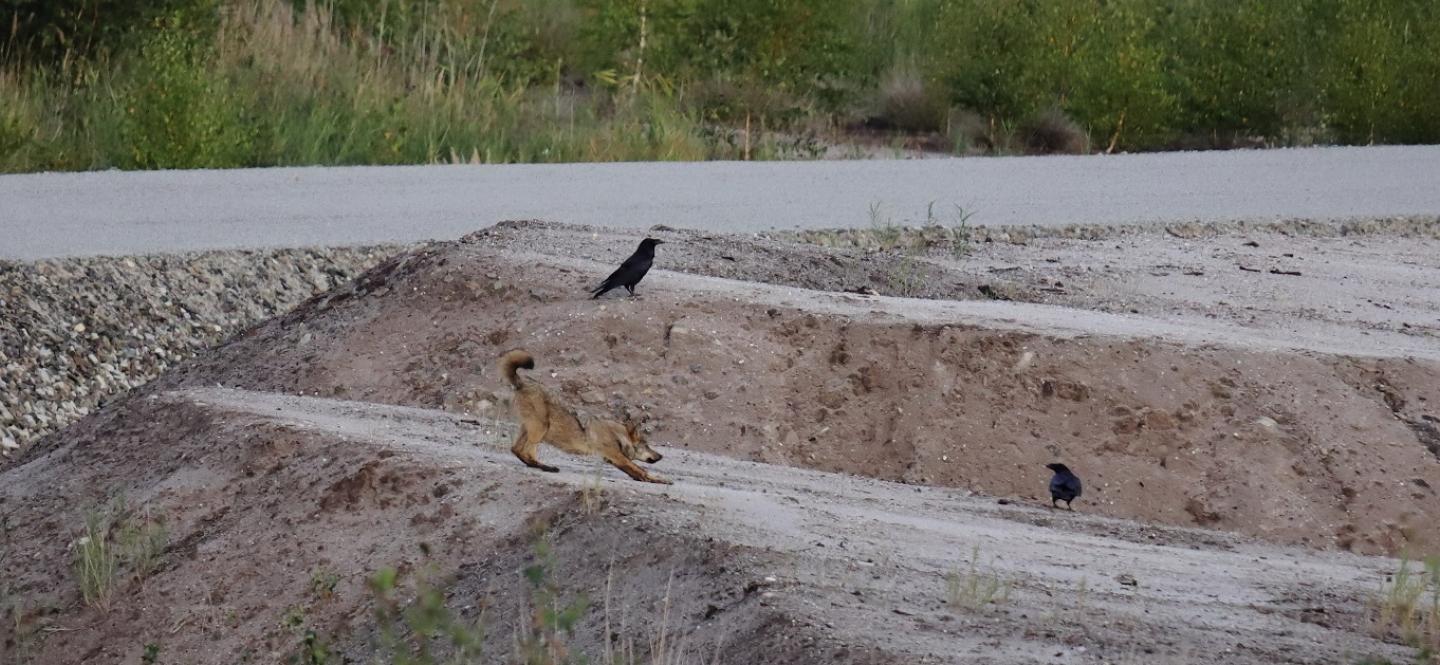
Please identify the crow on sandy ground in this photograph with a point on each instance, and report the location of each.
(1064, 485)
(631, 271)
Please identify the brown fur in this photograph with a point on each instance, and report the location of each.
(543, 419)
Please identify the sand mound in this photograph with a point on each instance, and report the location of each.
(837, 459)
(1171, 423)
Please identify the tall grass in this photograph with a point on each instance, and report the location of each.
(1408, 605)
(210, 83)
(114, 538)
(96, 561)
(273, 86)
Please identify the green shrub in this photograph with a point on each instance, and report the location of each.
(174, 113)
(1383, 82)
(52, 30)
(223, 83)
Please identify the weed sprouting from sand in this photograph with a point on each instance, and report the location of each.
(323, 583)
(18, 631)
(553, 616)
(592, 493)
(960, 232)
(418, 632)
(95, 560)
(142, 542)
(887, 233)
(113, 538)
(907, 278)
(975, 588)
(664, 648)
(1409, 605)
(416, 627)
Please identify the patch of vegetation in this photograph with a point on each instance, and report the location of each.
(886, 232)
(1408, 606)
(322, 584)
(95, 560)
(975, 588)
(142, 542)
(592, 493)
(907, 278)
(114, 538)
(94, 84)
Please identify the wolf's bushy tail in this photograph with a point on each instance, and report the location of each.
(512, 362)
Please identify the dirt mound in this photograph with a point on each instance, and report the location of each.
(1290, 445)
(828, 448)
(282, 511)
(276, 530)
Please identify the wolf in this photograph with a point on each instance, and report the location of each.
(544, 419)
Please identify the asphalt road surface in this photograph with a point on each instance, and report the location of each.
(66, 214)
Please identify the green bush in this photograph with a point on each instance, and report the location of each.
(217, 83)
(1383, 82)
(175, 113)
(49, 30)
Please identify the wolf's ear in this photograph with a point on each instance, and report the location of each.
(632, 428)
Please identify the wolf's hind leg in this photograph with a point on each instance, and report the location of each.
(526, 442)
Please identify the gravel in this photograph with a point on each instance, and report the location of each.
(76, 332)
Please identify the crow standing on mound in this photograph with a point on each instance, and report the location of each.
(631, 271)
(1064, 485)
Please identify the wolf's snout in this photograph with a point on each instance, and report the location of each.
(656, 457)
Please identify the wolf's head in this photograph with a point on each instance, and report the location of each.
(635, 445)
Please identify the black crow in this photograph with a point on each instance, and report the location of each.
(1064, 485)
(631, 271)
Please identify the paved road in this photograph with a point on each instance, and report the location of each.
(45, 215)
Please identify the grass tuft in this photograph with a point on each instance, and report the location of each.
(113, 539)
(1408, 605)
(975, 588)
(95, 561)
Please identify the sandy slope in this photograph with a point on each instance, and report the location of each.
(1209, 425)
(837, 456)
(856, 568)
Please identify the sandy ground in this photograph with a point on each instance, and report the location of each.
(1364, 295)
(838, 457)
(849, 569)
(125, 213)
